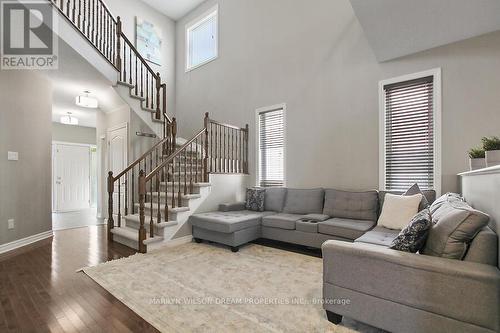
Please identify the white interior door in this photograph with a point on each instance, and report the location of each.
(71, 177)
(118, 161)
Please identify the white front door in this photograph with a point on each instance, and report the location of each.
(71, 177)
(118, 161)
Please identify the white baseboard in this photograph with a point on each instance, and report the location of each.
(25, 241)
(180, 241)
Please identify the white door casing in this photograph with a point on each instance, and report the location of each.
(71, 177)
(118, 160)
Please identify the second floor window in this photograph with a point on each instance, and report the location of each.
(202, 40)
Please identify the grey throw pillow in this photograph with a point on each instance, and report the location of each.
(255, 199)
(413, 237)
(455, 226)
(415, 189)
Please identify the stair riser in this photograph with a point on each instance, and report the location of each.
(172, 216)
(135, 225)
(184, 202)
(127, 242)
(195, 189)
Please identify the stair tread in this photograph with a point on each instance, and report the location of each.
(171, 210)
(136, 218)
(126, 84)
(132, 234)
(137, 97)
(183, 196)
(199, 184)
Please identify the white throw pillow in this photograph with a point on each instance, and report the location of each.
(398, 210)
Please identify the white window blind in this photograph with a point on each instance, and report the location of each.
(202, 40)
(271, 148)
(409, 134)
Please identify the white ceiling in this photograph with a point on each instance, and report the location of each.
(175, 9)
(396, 28)
(74, 76)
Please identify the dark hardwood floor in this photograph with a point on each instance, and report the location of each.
(40, 290)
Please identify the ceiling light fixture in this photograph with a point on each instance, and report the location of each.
(69, 120)
(87, 102)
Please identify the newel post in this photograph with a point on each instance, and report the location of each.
(118, 44)
(158, 88)
(205, 160)
(142, 197)
(111, 222)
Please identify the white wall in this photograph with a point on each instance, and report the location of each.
(73, 134)
(128, 10)
(25, 127)
(315, 58)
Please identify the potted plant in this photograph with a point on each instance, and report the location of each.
(492, 147)
(477, 159)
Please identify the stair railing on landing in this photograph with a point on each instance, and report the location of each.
(94, 21)
(216, 148)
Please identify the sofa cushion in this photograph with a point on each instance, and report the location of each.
(398, 210)
(255, 199)
(412, 238)
(351, 205)
(345, 228)
(455, 226)
(227, 222)
(281, 221)
(311, 227)
(275, 199)
(378, 236)
(300, 201)
(484, 248)
(430, 197)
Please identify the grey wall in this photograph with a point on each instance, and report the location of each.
(315, 58)
(25, 127)
(128, 10)
(73, 134)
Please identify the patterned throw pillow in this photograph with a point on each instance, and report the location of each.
(412, 238)
(255, 199)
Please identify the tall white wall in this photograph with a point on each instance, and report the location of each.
(314, 56)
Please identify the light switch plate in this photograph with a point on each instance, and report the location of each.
(13, 156)
(10, 224)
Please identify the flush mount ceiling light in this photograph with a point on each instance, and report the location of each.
(69, 120)
(87, 102)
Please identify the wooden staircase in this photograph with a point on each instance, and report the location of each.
(154, 195)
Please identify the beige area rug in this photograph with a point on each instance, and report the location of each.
(206, 288)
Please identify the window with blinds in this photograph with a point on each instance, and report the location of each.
(201, 43)
(409, 134)
(271, 148)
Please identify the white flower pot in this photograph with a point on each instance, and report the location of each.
(492, 158)
(477, 163)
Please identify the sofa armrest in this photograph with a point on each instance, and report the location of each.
(465, 291)
(232, 207)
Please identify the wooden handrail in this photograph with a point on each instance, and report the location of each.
(146, 154)
(138, 55)
(227, 125)
(173, 155)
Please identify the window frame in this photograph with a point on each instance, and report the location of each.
(199, 20)
(436, 74)
(276, 107)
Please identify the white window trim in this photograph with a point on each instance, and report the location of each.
(436, 74)
(257, 140)
(213, 11)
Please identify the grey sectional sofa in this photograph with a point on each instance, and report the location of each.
(405, 292)
(342, 215)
